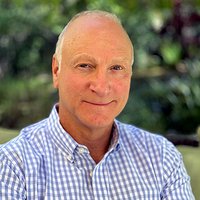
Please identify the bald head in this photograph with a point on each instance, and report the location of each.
(89, 20)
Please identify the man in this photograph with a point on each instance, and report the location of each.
(81, 151)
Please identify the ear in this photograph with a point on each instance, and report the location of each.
(55, 71)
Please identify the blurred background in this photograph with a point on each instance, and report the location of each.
(165, 92)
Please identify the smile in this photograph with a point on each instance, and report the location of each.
(99, 103)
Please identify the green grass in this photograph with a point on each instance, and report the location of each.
(190, 156)
(6, 135)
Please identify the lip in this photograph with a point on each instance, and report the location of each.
(99, 103)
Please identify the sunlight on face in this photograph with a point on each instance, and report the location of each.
(95, 73)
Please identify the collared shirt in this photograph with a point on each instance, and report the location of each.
(45, 162)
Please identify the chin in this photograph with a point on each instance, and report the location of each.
(99, 122)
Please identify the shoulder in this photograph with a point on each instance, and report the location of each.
(153, 145)
(19, 158)
(158, 153)
(139, 136)
(27, 144)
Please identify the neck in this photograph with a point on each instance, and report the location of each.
(97, 140)
(97, 146)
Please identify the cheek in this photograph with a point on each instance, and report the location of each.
(70, 82)
(122, 87)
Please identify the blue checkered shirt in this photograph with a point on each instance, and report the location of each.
(44, 162)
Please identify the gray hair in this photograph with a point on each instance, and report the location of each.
(59, 44)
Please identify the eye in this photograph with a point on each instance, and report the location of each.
(117, 67)
(84, 65)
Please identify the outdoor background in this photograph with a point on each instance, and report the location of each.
(165, 93)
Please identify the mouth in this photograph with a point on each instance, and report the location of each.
(99, 103)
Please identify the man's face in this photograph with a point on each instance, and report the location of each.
(95, 73)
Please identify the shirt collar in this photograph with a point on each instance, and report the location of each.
(114, 144)
(63, 141)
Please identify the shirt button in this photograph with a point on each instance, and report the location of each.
(69, 157)
(81, 150)
(91, 173)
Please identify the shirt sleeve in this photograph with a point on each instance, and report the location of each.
(12, 185)
(176, 180)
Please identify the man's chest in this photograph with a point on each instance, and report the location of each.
(109, 180)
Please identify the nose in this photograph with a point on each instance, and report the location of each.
(100, 83)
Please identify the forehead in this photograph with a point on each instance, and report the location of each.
(96, 33)
(93, 29)
(94, 20)
(91, 25)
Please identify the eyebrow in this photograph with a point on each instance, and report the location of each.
(83, 56)
(121, 60)
(87, 57)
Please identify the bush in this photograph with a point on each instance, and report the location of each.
(25, 101)
(168, 102)
(163, 33)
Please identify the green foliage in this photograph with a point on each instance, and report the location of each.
(179, 98)
(159, 104)
(29, 31)
(171, 52)
(28, 34)
(22, 40)
(25, 101)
